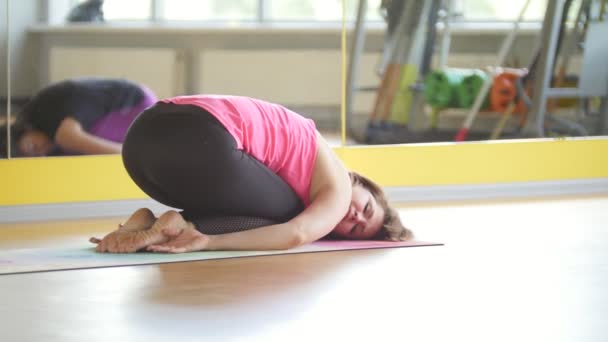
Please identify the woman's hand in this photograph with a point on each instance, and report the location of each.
(72, 137)
(181, 240)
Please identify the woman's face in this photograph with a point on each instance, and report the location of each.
(34, 143)
(364, 217)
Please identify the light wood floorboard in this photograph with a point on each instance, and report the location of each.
(510, 271)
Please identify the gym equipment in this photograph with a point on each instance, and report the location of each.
(453, 87)
(404, 59)
(470, 87)
(593, 80)
(440, 87)
(400, 73)
(504, 90)
(481, 95)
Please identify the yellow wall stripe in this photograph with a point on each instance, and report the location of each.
(65, 179)
(100, 178)
(479, 163)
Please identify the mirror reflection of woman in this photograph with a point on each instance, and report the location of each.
(245, 174)
(80, 116)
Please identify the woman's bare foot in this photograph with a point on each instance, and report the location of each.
(182, 235)
(127, 241)
(171, 220)
(141, 219)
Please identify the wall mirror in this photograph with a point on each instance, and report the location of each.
(409, 78)
(415, 72)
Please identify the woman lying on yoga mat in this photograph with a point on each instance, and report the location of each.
(80, 116)
(232, 164)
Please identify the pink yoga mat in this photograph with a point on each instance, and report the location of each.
(60, 259)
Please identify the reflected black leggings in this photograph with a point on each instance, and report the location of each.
(183, 157)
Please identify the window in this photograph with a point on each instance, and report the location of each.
(234, 10)
(299, 10)
(127, 10)
(488, 10)
(318, 10)
(207, 10)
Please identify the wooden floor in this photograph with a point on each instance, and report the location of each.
(510, 271)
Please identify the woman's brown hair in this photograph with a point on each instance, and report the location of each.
(392, 228)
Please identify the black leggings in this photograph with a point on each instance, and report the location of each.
(183, 157)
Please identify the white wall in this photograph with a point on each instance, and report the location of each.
(160, 69)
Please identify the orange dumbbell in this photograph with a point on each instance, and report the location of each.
(504, 90)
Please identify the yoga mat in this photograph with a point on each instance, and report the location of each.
(440, 86)
(504, 91)
(84, 257)
(467, 91)
(453, 87)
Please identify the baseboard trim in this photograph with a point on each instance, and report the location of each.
(76, 210)
(498, 191)
(421, 194)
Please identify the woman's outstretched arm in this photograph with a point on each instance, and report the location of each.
(312, 224)
(71, 137)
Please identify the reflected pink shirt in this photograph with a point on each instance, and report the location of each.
(281, 139)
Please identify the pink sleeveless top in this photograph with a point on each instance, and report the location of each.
(281, 139)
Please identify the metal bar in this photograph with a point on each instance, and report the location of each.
(446, 36)
(603, 124)
(262, 11)
(562, 92)
(369, 88)
(155, 10)
(549, 36)
(426, 41)
(356, 51)
(8, 80)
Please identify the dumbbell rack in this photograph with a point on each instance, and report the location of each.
(405, 45)
(593, 81)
